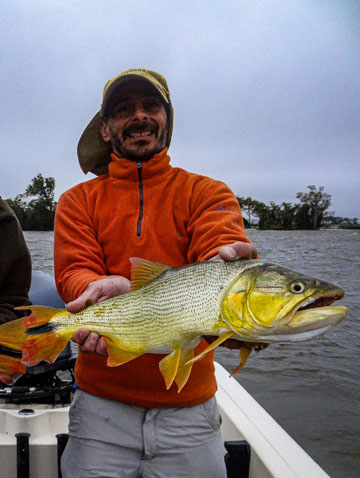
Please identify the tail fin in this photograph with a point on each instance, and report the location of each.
(12, 338)
(40, 314)
(12, 334)
(44, 340)
(10, 369)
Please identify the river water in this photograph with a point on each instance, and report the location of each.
(311, 388)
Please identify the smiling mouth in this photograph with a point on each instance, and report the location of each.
(140, 135)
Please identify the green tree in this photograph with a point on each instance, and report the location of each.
(43, 189)
(315, 203)
(303, 217)
(249, 207)
(37, 214)
(41, 211)
(19, 206)
(263, 213)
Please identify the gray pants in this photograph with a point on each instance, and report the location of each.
(109, 439)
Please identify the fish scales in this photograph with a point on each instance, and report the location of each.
(177, 303)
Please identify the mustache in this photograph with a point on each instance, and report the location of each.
(140, 128)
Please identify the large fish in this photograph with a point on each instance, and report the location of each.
(168, 310)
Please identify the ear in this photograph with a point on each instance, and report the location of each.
(105, 131)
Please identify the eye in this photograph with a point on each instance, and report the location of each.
(297, 287)
(122, 109)
(152, 104)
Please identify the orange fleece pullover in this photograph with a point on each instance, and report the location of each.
(148, 210)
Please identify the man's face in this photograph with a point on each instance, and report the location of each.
(137, 126)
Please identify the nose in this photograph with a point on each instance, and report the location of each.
(139, 112)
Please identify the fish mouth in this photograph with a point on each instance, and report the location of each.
(321, 301)
(313, 318)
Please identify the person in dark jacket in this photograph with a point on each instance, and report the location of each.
(15, 266)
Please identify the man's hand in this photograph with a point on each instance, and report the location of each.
(97, 291)
(237, 250)
(89, 341)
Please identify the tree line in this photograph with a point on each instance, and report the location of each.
(36, 214)
(310, 213)
(35, 209)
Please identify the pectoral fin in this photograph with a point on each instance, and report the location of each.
(244, 355)
(169, 366)
(212, 346)
(117, 355)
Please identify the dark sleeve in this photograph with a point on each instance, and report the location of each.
(15, 265)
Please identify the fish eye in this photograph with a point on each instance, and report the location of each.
(297, 287)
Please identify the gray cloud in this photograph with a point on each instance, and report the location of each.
(266, 94)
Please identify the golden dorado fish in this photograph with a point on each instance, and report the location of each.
(168, 310)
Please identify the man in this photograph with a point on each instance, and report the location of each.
(123, 421)
(15, 266)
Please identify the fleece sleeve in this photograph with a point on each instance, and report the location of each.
(15, 266)
(215, 220)
(78, 257)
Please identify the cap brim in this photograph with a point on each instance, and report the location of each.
(93, 152)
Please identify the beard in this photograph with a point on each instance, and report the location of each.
(141, 151)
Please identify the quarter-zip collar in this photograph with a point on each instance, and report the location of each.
(124, 173)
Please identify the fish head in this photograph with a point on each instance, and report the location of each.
(270, 303)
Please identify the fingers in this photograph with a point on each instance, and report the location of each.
(91, 295)
(238, 250)
(99, 291)
(101, 347)
(89, 342)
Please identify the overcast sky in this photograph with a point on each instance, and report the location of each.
(266, 93)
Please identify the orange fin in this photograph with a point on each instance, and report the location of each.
(244, 355)
(12, 334)
(184, 370)
(46, 343)
(44, 346)
(117, 355)
(169, 366)
(40, 314)
(143, 271)
(10, 369)
(212, 346)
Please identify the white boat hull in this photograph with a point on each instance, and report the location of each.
(274, 454)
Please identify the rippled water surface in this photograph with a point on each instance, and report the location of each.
(312, 388)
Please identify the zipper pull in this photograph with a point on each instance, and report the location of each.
(139, 164)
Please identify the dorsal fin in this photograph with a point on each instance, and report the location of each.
(143, 271)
